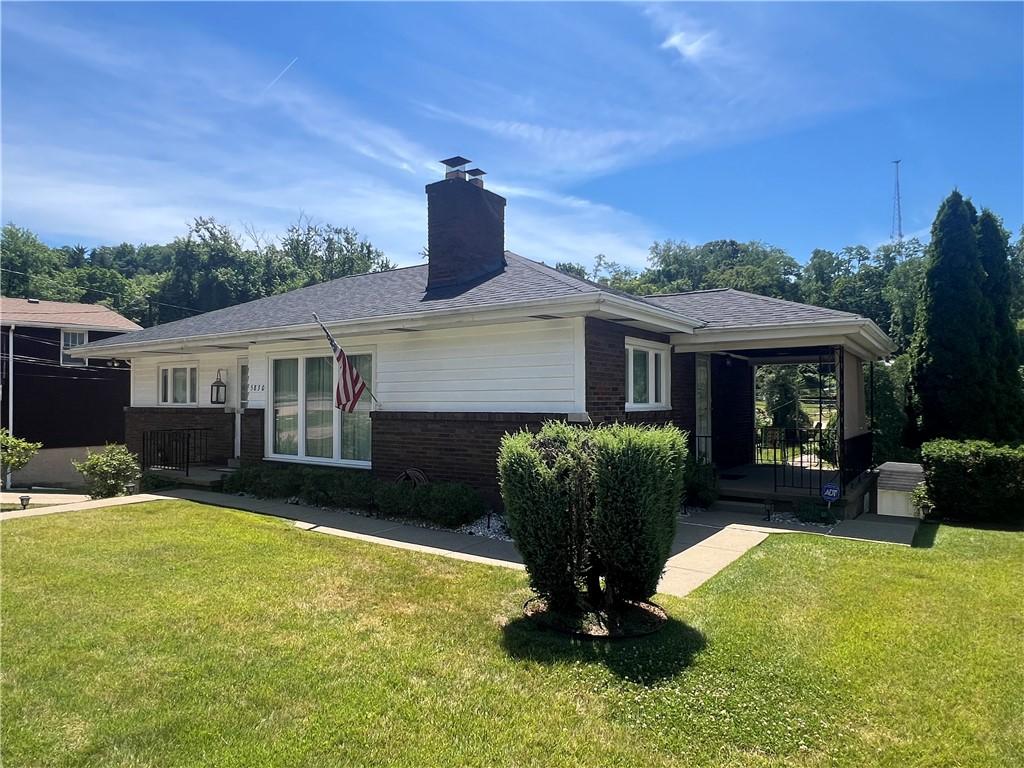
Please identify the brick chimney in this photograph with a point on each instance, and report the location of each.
(465, 227)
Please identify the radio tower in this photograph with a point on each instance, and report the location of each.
(896, 232)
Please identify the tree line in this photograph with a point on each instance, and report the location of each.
(208, 267)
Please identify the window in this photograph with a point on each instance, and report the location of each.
(306, 425)
(179, 384)
(70, 339)
(646, 375)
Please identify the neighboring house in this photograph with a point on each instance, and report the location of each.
(474, 343)
(66, 403)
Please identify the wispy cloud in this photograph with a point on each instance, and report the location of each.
(280, 74)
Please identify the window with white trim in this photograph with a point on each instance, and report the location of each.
(178, 384)
(70, 339)
(647, 375)
(304, 423)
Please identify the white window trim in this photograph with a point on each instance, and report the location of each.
(78, 363)
(170, 384)
(365, 404)
(666, 374)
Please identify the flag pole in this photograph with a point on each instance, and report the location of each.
(331, 337)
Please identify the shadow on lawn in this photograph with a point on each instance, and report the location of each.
(644, 660)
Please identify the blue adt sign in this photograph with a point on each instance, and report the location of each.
(830, 492)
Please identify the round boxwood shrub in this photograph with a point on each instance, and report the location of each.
(109, 471)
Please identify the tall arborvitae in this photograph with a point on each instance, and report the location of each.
(953, 380)
(994, 252)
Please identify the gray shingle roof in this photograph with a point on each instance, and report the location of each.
(729, 308)
(369, 296)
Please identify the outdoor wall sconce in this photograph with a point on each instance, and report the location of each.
(24, 501)
(218, 391)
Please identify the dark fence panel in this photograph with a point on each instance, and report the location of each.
(857, 452)
(174, 448)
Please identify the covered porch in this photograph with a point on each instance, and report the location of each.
(786, 464)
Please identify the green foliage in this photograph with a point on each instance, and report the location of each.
(317, 486)
(1007, 396)
(546, 487)
(701, 482)
(779, 387)
(448, 504)
(107, 472)
(952, 374)
(890, 410)
(974, 480)
(572, 268)
(590, 504)
(808, 511)
(15, 452)
(639, 476)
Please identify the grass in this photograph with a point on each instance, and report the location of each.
(175, 634)
(11, 506)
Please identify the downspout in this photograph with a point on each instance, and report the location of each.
(10, 393)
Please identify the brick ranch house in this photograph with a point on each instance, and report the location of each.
(477, 342)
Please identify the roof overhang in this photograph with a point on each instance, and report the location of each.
(860, 336)
(600, 304)
(7, 322)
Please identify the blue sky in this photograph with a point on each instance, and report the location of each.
(606, 126)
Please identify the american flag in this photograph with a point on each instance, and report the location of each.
(350, 383)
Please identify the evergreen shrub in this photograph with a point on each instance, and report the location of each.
(974, 480)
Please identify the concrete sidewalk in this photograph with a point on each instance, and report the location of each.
(80, 505)
(14, 497)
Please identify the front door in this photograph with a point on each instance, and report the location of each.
(242, 401)
(703, 421)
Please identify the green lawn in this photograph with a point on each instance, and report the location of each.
(173, 634)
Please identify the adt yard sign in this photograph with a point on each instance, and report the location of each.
(830, 492)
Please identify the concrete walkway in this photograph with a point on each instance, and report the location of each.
(80, 505)
(705, 542)
(14, 497)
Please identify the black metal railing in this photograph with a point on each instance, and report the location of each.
(799, 457)
(174, 448)
(856, 458)
(700, 448)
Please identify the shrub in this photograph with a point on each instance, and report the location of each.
(15, 452)
(318, 486)
(395, 499)
(639, 475)
(546, 485)
(701, 482)
(109, 471)
(585, 504)
(974, 480)
(447, 504)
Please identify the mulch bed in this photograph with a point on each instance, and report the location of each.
(634, 619)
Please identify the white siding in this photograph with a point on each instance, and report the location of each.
(532, 367)
(145, 382)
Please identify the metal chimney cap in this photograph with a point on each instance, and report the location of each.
(475, 172)
(455, 162)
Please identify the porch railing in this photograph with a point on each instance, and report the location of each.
(797, 456)
(174, 448)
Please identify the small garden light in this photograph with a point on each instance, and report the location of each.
(218, 391)
(24, 501)
(129, 489)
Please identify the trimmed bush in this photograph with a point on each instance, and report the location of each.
(593, 509)
(639, 476)
(15, 452)
(546, 484)
(447, 504)
(313, 485)
(974, 480)
(107, 472)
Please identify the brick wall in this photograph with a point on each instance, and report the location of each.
(732, 411)
(459, 447)
(605, 344)
(252, 436)
(221, 440)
